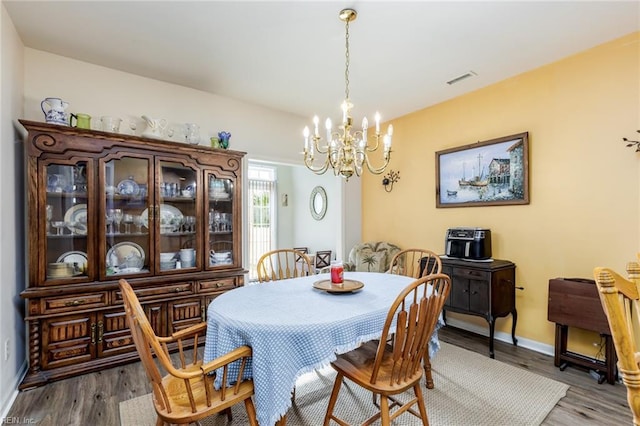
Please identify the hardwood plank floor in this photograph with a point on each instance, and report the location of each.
(92, 399)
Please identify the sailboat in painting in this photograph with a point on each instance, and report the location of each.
(478, 180)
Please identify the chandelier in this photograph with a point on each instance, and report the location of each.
(347, 153)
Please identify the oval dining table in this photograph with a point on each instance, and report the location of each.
(294, 328)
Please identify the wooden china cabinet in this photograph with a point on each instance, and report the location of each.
(104, 206)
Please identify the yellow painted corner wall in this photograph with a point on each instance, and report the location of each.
(583, 181)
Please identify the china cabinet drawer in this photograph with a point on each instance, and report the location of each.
(177, 289)
(74, 302)
(221, 284)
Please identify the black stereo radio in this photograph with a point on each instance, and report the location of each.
(468, 243)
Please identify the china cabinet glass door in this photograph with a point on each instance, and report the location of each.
(221, 226)
(177, 217)
(65, 223)
(125, 216)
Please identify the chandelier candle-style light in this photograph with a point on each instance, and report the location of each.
(346, 152)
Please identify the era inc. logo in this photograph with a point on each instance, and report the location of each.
(17, 421)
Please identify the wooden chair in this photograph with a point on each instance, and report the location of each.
(282, 264)
(323, 259)
(186, 393)
(409, 262)
(304, 250)
(620, 299)
(388, 369)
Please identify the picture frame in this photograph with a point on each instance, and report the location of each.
(488, 173)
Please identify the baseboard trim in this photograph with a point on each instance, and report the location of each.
(502, 336)
(6, 405)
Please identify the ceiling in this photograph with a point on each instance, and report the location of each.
(290, 55)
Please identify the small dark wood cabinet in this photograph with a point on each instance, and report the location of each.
(485, 289)
(575, 303)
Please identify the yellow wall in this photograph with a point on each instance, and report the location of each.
(584, 182)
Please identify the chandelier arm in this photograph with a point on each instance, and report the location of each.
(380, 169)
(369, 148)
(308, 161)
(318, 148)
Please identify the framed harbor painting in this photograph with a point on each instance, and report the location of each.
(489, 173)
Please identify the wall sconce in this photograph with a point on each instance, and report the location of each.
(389, 179)
(631, 143)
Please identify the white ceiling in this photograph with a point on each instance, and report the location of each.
(289, 55)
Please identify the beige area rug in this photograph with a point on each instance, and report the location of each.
(470, 389)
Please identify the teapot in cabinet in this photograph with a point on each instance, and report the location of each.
(155, 127)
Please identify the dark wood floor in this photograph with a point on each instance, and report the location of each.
(93, 399)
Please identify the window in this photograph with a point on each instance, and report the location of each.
(262, 223)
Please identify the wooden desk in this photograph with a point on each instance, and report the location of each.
(576, 303)
(485, 289)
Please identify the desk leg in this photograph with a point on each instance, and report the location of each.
(492, 327)
(561, 344)
(612, 359)
(514, 315)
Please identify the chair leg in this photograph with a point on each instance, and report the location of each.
(427, 369)
(229, 414)
(384, 411)
(251, 412)
(159, 421)
(375, 399)
(421, 406)
(332, 400)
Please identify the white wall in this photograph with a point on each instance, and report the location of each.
(12, 223)
(308, 232)
(96, 90)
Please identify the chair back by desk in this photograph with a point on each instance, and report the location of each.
(388, 369)
(409, 262)
(186, 393)
(283, 264)
(621, 303)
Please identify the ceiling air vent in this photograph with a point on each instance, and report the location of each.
(462, 77)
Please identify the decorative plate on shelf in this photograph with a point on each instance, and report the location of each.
(125, 255)
(76, 219)
(78, 257)
(347, 286)
(170, 218)
(128, 187)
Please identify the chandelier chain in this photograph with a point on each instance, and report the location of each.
(346, 70)
(346, 151)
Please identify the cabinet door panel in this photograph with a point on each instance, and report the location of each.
(184, 313)
(65, 222)
(123, 226)
(68, 340)
(479, 297)
(459, 294)
(156, 315)
(115, 336)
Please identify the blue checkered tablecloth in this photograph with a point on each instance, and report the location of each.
(293, 328)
